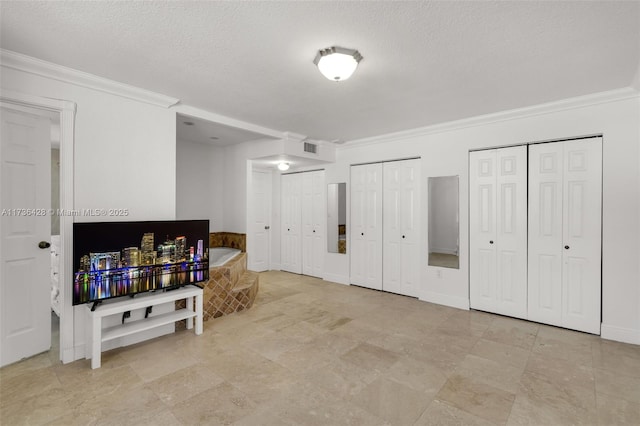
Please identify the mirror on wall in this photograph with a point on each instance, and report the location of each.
(337, 218)
(444, 221)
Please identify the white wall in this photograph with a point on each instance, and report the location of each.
(236, 166)
(124, 158)
(444, 152)
(443, 214)
(200, 183)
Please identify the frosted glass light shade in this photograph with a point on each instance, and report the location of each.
(283, 166)
(337, 63)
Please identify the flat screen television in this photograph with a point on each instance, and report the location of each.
(115, 259)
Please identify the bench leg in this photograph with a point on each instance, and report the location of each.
(199, 314)
(189, 302)
(96, 340)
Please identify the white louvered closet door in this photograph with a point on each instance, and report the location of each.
(498, 230)
(366, 226)
(565, 222)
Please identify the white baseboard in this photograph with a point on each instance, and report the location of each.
(446, 300)
(620, 334)
(335, 278)
(275, 267)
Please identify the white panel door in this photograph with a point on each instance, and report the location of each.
(307, 223)
(401, 230)
(511, 231)
(291, 217)
(565, 234)
(319, 222)
(582, 225)
(366, 226)
(482, 230)
(25, 313)
(498, 230)
(545, 233)
(258, 259)
(313, 223)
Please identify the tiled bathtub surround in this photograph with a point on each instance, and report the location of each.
(228, 239)
(231, 288)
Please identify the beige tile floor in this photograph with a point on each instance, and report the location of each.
(312, 352)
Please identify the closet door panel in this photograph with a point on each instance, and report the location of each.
(392, 214)
(401, 253)
(318, 220)
(545, 233)
(307, 223)
(291, 218)
(410, 227)
(482, 229)
(366, 226)
(511, 232)
(582, 219)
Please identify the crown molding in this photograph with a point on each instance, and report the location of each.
(28, 64)
(514, 114)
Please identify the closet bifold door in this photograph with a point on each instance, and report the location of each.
(313, 223)
(498, 231)
(366, 226)
(565, 186)
(401, 227)
(291, 218)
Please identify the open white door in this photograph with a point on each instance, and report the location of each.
(25, 315)
(259, 253)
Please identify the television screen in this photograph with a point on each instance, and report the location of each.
(113, 259)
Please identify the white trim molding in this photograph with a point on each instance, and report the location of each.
(620, 334)
(28, 64)
(514, 114)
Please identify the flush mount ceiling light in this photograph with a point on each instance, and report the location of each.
(283, 166)
(337, 63)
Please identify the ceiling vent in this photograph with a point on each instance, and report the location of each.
(310, 147)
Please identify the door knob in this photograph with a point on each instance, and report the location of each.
(288, 229)
(403, 236)
(44, 244)
(314, 230)
(491, 242)
(267, 227)
(362, 233)
(566, 247)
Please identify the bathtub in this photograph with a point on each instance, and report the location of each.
(218, 256)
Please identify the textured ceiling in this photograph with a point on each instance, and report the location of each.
(203, 131)
(424, 62)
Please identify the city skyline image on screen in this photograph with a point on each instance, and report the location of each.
(114, 259)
